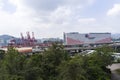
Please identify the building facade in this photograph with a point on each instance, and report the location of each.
(76, 38)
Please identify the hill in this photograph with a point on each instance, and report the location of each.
(5, 39)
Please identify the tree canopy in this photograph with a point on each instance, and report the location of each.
(55, 64)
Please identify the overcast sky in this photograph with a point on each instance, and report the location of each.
(50, 18)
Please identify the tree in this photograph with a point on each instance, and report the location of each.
(32, 67)
(97, 64)
(72, 69)
(55, 64)
(104, 54)
(2, 53)
(12, 65)
(52, 58)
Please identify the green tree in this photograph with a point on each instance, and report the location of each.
(2, 54)
(12, 65)
(32, 67)
(104, 55)
(55, 64)
(72, 69)
(97, 63)
(52, 58)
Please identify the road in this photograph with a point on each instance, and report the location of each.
(113, 67)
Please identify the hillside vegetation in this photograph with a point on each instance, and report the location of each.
(55, 64)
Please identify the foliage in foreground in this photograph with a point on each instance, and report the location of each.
(55, 64)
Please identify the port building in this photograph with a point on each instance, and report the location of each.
(86, 39)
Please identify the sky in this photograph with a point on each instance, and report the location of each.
(50, 18)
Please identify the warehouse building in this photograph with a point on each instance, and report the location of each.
(87, 39)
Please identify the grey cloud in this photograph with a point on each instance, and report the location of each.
(50, 5)
(43, 4)
(44, 9)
